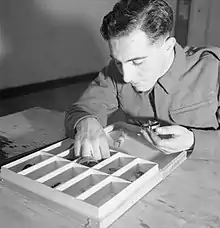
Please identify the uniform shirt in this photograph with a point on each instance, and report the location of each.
(187, 95)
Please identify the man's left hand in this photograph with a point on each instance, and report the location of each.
(180, 138)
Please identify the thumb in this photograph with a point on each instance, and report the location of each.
(167, 130)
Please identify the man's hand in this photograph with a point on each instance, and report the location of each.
(171, 139)
(90, 140)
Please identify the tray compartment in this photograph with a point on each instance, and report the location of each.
(136, 171)
(40, 157)
(47, 168)
(64, 176)
(84, 184)
(116, 164)
(106, 193)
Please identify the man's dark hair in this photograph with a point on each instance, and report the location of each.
(154, 17)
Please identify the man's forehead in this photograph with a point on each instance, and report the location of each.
(131, 46)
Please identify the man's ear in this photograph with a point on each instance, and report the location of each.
(169, 44)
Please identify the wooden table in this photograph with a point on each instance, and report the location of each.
(29, 130)
(188, 198)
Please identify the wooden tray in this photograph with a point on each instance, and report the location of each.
(92, 196)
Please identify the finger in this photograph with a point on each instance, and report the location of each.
(163, 145)
(86, 149)
(104, 148)
(77, 147)
(146, 136)
(96, 150)
(175, 143)
(169, 144)
(168, 130)
(154, 137)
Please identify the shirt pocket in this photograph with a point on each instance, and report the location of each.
(198, 115)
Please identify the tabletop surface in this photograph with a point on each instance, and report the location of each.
(188, 198)
(29, 130)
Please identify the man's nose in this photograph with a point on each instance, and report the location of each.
(127, 73)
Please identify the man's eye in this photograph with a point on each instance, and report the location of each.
(137, 62)
(118, 63)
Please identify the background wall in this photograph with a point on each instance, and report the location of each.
(204, 25)
(48, 39)
(43, 40)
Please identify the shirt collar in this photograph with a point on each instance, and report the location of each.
(171, 78)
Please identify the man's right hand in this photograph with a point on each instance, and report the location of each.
(90, 140)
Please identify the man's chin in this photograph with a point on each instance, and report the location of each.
(141, 89)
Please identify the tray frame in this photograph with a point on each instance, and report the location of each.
(76, 208)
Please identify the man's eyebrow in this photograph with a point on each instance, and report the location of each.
(129, 60)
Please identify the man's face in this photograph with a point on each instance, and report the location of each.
(139, 61)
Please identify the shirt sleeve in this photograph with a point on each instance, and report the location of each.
(207, 142)
(98, 101)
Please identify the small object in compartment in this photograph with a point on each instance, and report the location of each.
(88, 161)
(55, 185)
(138, 174)
(27, 166)
(116, 165)
(119, 141)
(82, 190)
(136, 171)
(112, 170)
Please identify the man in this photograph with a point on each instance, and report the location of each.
(150, 76)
